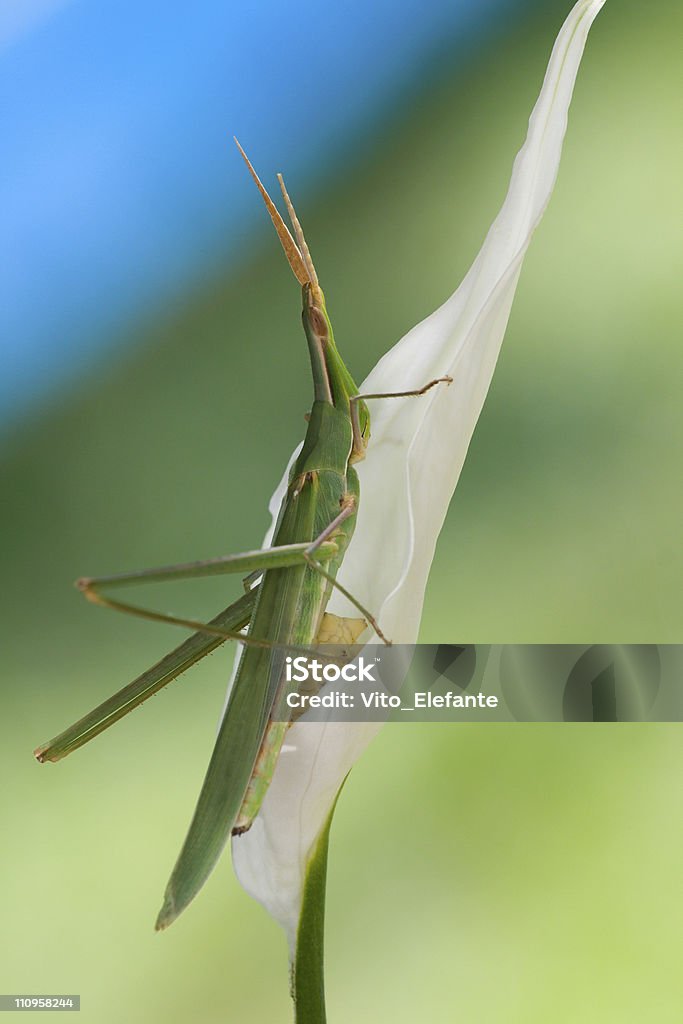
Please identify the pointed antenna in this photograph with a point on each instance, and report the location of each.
(298, 231)
(294, 258)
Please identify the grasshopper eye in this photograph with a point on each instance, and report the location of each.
(318, 322)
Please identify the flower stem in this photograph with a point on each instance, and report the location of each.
(308, 978)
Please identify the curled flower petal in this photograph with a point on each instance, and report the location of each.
(413, 462)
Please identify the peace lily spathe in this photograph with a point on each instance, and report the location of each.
(415, 456)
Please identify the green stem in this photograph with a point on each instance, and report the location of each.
(308, 978)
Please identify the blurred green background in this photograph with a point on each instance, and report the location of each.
(477, 873)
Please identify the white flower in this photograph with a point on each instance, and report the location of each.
(416, 453)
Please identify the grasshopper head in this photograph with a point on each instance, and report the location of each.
(332, 381)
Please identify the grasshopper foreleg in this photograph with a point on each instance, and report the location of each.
(355, 399)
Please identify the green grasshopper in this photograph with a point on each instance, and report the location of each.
(288, 586)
